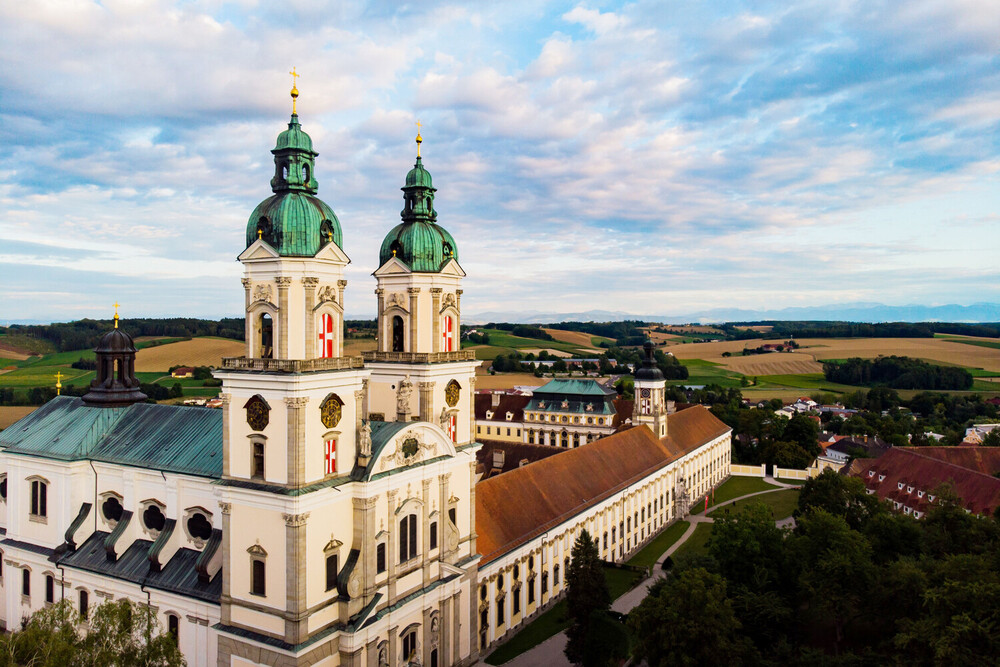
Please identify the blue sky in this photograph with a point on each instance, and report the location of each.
(647, 157)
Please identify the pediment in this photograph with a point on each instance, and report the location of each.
(452, 268)
(259, 249)
(413, 445)
(393, 266)
(332, 252)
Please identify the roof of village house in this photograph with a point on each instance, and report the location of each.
(519, 505)
(981, 459)
(904, 468)
(171, 438)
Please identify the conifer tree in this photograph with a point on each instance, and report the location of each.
(587, 592)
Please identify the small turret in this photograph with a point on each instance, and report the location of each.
(115, 385)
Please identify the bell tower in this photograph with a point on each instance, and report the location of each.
(651, 407)
(419, 370)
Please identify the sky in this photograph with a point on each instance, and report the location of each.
(650, 157)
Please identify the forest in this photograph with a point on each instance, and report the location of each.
(851, 584)
(897, 373)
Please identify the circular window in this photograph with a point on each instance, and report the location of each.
(153, 519)
(600, 420)
(565, 419)
(199, 527)
(576, 420)
(112, 509)
(590, 420)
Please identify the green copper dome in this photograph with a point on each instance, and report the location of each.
(419, 241)
(294, 221)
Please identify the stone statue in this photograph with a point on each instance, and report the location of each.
(445, 419)
(365, 440)
(403, 398)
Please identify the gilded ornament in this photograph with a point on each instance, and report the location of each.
(258, 413)
(451, 393)
(331, 410)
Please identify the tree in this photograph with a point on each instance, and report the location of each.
(117, 633)
(841, 496)
(587, 592)
(688, 620)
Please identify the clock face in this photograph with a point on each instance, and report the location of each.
(644, 393)
(451, 393)
(331, 410)
(257, 413)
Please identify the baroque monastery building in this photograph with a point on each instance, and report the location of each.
(331, 512)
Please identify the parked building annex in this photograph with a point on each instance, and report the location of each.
(328, 513)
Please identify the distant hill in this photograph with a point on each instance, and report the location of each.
(848, 312)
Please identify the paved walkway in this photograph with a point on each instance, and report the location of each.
(550, 652)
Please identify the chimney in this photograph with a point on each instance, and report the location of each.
(495, 396)
(498, 459)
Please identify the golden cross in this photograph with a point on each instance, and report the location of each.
(116, 314)
(419, 138)
(260, 233)
(295, 90)
(58, 383)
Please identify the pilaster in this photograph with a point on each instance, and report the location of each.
(227, 582)
(309, 285)
(426, 400)
(414, 293)
(472, 509)
(296, 627)
(425, 498)
(435, 320)
(341, 284)
(247, 324)
(364, 537)
(381, 334)
(226, 400)
(392, 549)
(283, 283)
(296, 439)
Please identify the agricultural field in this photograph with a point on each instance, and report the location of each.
(507, 380)
(580, 338)
(934, 350)
(504, 342)
(11, 413)
(355, 346)
(783, 363)
(195, 352)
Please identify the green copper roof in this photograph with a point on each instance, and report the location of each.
(422, 246)
(172, 438)
(294, 224)
(579, 387)
(418, 241)
(294, 137)
(294, 221)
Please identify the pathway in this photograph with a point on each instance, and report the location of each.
(550, 652)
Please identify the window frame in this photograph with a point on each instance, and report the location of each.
(38, 509)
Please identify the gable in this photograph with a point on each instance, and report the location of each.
(258, 250)
(393, 266)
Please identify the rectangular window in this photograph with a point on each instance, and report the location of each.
(555, 576)
(330, 456)
(84, 604)
(407, 538)
(508, 431)
(487, 430)
(331, 571)
(257, 578)
(50, 589)
(605, 539)
(434, 535)
(409, 645)
(380, 558)
(39, 499)
(515, 606)
(257, 471)
(531, 590)
(500, 612)
(545, 583)
(173, 627)
(25, 583)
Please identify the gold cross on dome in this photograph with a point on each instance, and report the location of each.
(419, 138)
(295, 90)
(116, 314)
(58, 383)
(295, 76)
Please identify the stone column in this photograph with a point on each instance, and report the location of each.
(309, 287)
(394, 645)
(247, 320)
(436, 318)
(359, 411)
(445, 523)
(392, 550)
(226, 400)
(296, 440)
(296, 627)
(227, 579)
(414, 293)
(458, 304)
(426, 531)
(283, 282)
(426, 402)
(472, 410)
(380, 331)
(445, 616)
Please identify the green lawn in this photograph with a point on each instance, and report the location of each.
(803, 381)
(734, 487)
(696, 544)
(652, 551)
(63, 358)
(44, 376)
(974, 372)
(781, 503)
(597, 340)
(978, 343)
(554, 620)
(701, 372)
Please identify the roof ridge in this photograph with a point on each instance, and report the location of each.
(914, 451)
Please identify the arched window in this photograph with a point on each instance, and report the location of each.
(266, 336)
(84, 604)
(397, 333)
(50, 589)
(410, 645)
(305, 174)
(39, 498)
(174, 627)
(407, 538)
(447, 333)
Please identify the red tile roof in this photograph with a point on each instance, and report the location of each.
(922, 469)
(519, 505)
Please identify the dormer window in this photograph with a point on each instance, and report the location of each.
(899, 485)
(920, 494)
(909, 489)
(510, 416)
(881, 478)
(489, 414)
(871, 473)
(930, 497)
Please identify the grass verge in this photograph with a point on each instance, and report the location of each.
(734, 487)
(781, 503)
(697, 543)
(652, 551)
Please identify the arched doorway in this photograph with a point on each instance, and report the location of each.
(397, 334)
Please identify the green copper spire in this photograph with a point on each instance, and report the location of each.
(418, 241)
(293, 221)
